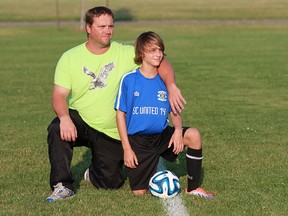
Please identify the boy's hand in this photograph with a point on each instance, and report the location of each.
(177, 141)
(130, 159)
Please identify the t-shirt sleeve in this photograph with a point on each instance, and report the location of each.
(127, 63)
(62, 72)
(121, 98)
(131, 51)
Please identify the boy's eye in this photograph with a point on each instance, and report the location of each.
(153, 50)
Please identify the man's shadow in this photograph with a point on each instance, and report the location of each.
(79, 169)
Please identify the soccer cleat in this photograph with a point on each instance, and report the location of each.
(60, 192)
(201, 193)
(86, 175)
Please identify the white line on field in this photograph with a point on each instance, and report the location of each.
(173, 206)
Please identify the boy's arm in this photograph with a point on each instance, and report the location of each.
(130, 159)
(177, 138)
(167, 74)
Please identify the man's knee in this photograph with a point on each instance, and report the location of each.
(107, 182)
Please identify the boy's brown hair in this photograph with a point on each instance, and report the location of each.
(143, 41)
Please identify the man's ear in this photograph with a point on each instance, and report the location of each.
(88, 28)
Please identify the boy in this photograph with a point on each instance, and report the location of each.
(142, 110)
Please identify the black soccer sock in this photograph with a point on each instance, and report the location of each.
(194, 164)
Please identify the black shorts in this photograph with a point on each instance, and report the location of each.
(148, 149)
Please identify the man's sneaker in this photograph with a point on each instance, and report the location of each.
(86, 175)
(201, 193)
(60, 192)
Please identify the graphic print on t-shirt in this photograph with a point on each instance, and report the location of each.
(162, 96)
(99, 81)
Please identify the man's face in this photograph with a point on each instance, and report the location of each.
(101, 31)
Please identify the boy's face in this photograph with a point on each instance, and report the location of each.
(153, 55)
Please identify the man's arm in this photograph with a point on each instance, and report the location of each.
(68, 130)
(167, 74)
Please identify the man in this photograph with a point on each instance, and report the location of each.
(89, 75)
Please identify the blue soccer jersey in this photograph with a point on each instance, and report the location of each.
(145, 102)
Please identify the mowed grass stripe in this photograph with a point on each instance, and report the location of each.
(172, 206)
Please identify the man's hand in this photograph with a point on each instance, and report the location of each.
(176, 99)
(68, 131)
(167, 74)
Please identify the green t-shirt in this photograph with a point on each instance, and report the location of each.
(93, 81)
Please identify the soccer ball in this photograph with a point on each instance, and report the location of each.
(164, 184)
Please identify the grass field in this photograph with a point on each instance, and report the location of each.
(234, 77)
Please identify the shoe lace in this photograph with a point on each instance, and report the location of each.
(57, 189)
